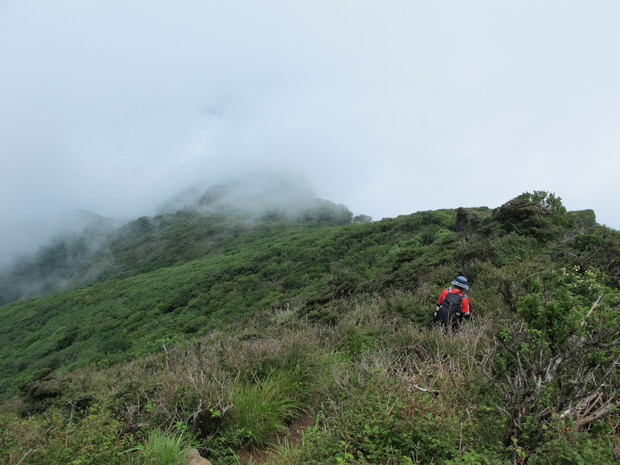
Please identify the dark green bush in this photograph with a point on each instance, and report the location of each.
(381, 422)
(94, 439)
(575, 448)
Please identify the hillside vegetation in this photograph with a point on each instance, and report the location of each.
(220, 330)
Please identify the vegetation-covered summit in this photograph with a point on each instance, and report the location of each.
(222, 331)
(189, 226)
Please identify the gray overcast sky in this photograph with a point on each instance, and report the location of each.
(387, 106)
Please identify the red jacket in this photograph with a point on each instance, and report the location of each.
(453, 290)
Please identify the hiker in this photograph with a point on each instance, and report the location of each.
(452, 305)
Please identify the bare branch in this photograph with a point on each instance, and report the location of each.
(604, 346)
(583, 322)
(602, 411)
(553, 368)
(25, 455)
(434, 391)
(582, 404)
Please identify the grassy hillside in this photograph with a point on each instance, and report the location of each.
(221, 335)
(268, 266)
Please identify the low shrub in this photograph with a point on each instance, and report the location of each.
(381, 421)
(577, 448)
(95, 439)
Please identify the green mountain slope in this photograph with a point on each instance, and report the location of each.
(101, 250)
(201, 314)
(268, 266)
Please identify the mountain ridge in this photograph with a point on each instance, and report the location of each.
(319, 304)
(95, 251)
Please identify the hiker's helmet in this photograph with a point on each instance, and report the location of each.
(461, 282)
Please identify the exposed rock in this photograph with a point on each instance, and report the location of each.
(194, 458)
(468, 220)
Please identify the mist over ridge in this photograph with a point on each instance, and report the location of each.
(191, 224)
(255, 194)
(83, 247)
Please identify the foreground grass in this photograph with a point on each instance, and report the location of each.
(381, 387)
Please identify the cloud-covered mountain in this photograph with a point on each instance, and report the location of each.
(90, 247)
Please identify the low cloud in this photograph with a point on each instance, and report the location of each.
(387, 107)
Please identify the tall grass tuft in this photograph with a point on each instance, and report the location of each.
(161, 449)
(262, 408)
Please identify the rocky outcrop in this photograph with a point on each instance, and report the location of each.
(194, 458)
